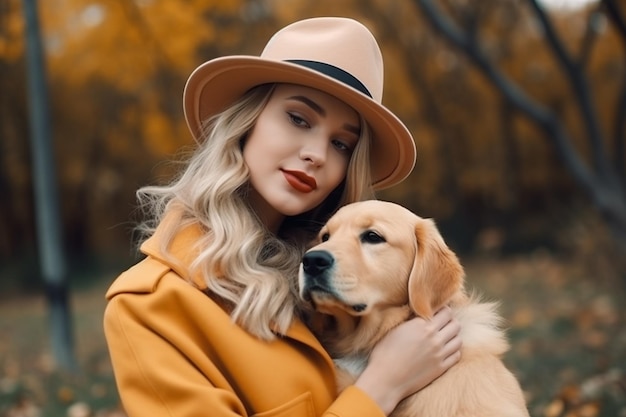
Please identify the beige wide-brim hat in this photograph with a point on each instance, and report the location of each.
(338, 56)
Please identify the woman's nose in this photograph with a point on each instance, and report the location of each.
(314, 151)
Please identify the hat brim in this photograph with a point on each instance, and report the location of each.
(218, 83)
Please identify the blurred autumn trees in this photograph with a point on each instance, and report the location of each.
(488, 164)
(603, 180)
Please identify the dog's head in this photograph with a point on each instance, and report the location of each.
(376, 255)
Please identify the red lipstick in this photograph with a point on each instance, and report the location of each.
(300, 181)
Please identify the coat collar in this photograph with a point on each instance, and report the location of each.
(181, 253)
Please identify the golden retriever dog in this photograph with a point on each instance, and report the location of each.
(376, 264)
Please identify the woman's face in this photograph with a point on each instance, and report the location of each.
(298, 151)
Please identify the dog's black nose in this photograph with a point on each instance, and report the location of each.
(317, 261)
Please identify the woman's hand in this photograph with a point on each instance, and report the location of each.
(410, 357)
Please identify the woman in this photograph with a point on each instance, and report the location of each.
(209, 323)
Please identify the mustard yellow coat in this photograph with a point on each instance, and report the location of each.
(177, 353)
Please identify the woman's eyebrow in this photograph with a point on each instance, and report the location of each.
(313, 105)
(352, 129)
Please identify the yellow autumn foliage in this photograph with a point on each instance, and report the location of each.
(117, 68)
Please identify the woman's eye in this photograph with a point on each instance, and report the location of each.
(370, 236)
(341, 146)
(297, 120)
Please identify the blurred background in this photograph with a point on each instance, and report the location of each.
(518, 108)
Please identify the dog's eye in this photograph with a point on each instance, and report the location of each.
(370, 236)
(324, 237)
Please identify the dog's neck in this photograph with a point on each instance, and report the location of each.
(357, 335)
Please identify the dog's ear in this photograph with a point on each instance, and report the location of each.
(437, 273)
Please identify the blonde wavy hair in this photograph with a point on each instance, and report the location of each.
(252, 270)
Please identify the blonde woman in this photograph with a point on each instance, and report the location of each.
(209, 323)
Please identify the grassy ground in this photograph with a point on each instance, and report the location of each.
(567, 328)
(30, 384)
(565, 320)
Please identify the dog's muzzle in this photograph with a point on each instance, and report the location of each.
(317, 266)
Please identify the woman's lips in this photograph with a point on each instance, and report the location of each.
(300, 181)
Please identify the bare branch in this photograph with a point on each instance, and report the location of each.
(615, 15)
(590, 37)
(581, 90)
(512, 93)
(620, 118)
(604, 189)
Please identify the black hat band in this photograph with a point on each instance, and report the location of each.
(334, 72)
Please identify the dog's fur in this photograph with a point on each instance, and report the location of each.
(376, 264)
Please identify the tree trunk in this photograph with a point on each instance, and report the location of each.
(50, 243)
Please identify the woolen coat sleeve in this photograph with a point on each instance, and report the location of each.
(177, 353)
